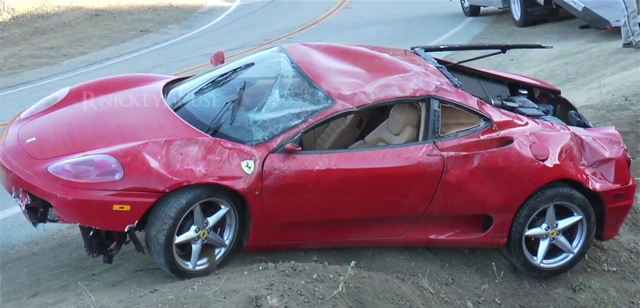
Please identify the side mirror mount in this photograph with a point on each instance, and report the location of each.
(217, 58)
(292, 148)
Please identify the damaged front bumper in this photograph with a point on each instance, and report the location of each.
(42, 201)
(35, 209)
(106, 218)
(103, 240)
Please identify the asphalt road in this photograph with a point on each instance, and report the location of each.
(391, 23)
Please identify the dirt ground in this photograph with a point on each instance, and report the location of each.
(594, 73)
(37, 33)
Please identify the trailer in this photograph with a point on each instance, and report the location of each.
(597, 14)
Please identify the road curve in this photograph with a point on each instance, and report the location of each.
(255, 23)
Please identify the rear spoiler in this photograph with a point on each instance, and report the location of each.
(503, 48)
(470, 47)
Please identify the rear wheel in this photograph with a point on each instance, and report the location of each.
(192, 231)
(552, 232)
(468, 9)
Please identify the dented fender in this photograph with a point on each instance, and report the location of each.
(595, 157)
(170, 164)
(506, 173)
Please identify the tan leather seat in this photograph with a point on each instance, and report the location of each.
(337, 134)
(401, 127)
(453, 120)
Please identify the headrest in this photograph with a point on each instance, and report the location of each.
(355, 120)
(401, 116)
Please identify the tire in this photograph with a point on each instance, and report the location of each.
(469, 10)
(569, 206)
(174, 215)
(519, 14)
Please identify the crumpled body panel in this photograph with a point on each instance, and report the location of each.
(494, 171)
(595, 156)
(169, 164)
(357, 75)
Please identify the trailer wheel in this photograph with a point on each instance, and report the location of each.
(519, 12)
(468, 9)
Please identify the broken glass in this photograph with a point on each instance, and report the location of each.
(278, 96)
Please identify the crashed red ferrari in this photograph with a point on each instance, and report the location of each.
(321, 145)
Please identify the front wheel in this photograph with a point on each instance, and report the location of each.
(552, 232)
(468, 9)
(192, 231)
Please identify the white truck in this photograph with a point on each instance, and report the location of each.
(597, 14)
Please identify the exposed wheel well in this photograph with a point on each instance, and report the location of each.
(142, 222)
(594, 199)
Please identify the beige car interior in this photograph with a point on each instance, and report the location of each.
(337, 134)
(453, 120)
(385, 125)
(401, 127)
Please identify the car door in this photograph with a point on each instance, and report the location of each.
(480, 172)
(354, 194)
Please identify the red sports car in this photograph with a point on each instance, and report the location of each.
(321, 145)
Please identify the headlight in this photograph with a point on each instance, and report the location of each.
(45, 102)
(88, 169)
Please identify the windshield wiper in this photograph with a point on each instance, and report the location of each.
(210, 85)
(218, 120)
(237, 102)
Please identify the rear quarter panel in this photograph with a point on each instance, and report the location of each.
(493, 172)
(488, 173)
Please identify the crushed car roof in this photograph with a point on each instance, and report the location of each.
(357, 75)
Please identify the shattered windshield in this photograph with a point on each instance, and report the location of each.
(276, 97)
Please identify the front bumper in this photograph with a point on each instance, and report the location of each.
(617, 205)
(104, 210)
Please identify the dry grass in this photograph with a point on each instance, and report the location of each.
(16, 10)
(66, 29)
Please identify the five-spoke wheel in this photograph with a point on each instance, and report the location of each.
(191, 231)
(201, 239)
(552, 232)
(551, 241)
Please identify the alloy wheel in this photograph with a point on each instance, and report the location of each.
(554, 234)
(204, 234)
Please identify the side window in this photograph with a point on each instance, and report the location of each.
(385, 125)
(454, 120)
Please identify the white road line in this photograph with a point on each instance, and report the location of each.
(215, 21)
(452, 32)
(4, 214)
(448, 35)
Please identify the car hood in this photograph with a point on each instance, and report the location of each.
(103, 113)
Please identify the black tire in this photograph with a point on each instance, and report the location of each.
(470, 10)
(165, 219)
(524, 19)
(557, 194)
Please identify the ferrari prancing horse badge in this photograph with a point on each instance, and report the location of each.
(247, 166)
